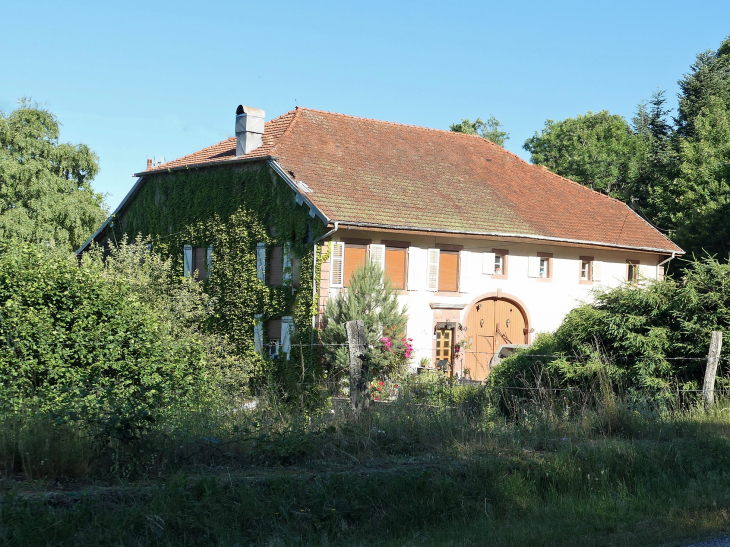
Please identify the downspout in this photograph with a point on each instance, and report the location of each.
(664, 262)
(314, 275)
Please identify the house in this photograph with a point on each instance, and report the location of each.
(484, 248)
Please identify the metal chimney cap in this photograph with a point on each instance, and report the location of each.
(250, 110)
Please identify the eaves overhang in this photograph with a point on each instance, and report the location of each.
(513, 236)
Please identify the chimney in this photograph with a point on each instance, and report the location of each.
(149, 164)
(249, 129)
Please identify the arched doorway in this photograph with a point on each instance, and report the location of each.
(491, 323)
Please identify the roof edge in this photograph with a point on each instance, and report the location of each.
(201, 165)
(517, 236)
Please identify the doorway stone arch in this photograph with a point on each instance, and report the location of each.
(491, 321)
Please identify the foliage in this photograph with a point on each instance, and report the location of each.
(707, 81)
(598, 150)
(491, 129)
(233, 209)
(372, 299)
(45, 190)
(105, 343)
(654, 337)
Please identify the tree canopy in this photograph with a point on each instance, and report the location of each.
(45, 190)
(491, 129)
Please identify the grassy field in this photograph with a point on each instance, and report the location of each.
(465, 472)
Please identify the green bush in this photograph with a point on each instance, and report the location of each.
(650, 337)
(104, 342)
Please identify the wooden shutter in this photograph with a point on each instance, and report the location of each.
(287, 331)
(209, 259)
(463, 263)
(432, 270)
(287, 264)
(355, 256)
(261, 261)
(597, 270)
(646, 271)
(416, 268)
(377, 256)
(448, 271)
(488, 263)
(337, 264)
(276, 271)
(395, 267)
(187, 260)
(533, 266)
(258, 334)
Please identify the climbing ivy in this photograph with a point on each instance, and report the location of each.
(233, 208)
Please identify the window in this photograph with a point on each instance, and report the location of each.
(632, 271)
(586, 270)
(449, 271)
(273, 333)
(500, 263)
(444, 344)
(197, 261)
(347, 256)
(275, 270)
(540, 266)
(395, 266)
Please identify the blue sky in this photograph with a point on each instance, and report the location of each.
(140, 79)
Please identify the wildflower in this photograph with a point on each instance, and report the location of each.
(381, 383)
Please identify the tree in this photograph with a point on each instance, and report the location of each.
(45, 190)
(491, 129)
(709, 77)
(599, 150)
(370, 297)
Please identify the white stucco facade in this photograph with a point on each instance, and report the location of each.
(544, 301)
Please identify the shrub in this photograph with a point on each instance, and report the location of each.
(654, 336)
(372, 299)
(106, 343)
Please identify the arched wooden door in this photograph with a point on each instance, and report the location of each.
(491, 323)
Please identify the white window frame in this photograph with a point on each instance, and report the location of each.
(488, 263)
(261, 261)
(187, 260)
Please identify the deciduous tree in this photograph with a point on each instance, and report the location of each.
(45, 190)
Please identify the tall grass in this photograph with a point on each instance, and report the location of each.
(440, 464)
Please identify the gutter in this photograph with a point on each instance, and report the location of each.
(499, 234)
(664, 262)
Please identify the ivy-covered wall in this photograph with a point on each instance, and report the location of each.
(233, 208)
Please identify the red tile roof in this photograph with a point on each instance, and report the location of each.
(383, 173)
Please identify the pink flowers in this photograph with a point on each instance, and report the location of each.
(409, 348)
(387, 342)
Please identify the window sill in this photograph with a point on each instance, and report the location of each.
(446, 293)
(545, 279)
(586, 282)
(499, 276)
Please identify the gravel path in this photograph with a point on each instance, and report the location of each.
(723, 541)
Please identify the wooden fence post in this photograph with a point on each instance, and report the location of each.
(713, 358)
(359, 384)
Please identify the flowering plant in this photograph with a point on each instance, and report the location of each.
(382, 391)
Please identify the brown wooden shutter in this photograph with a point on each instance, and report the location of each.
(273, 329)
(449, 271)
(200, 260)
(395, 267)
(276, 267)
(355, 256)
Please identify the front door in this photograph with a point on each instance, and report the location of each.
(445, 348)
(491, 323)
